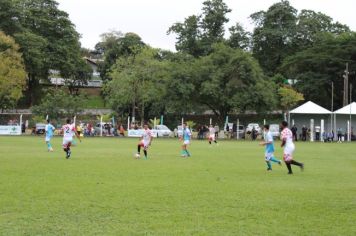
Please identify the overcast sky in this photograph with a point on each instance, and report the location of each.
(151, 18)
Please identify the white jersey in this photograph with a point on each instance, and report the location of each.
(211, 131)
(147, 134)
(287, 136)
(68, 131)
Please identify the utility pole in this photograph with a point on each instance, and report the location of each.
(346, 85)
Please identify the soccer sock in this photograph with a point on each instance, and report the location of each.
(293, 162)
(274, 159)
(145, 152)
(48, 145)
(289, 167)
(209, 142)
(138, 148)
(215, 141)
(186, 151)
(269, 165)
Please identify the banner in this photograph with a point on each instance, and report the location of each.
(139, 132)
(10, 130)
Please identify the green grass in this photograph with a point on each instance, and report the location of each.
(221, 190)
(94, 102)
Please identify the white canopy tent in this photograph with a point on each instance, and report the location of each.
(302, 115)
(343, 118)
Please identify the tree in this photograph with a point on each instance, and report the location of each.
(197, 34)
(230, 80)
(114, 45)
(289, 97)
(137, 83)
(239, 38)
(58, 104)
(315, 68)
(47, 39)
(272, 39)
(12, 72)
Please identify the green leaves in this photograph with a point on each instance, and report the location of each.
(12, 72)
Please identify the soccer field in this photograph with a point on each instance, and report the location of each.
(220, 190)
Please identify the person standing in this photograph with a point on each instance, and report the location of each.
(339, 135)
(288, 145)
(304, 133)
(68, 132)
(269, 148)
(145, 142)
(294, 132)
(49, 130)
(186, 137)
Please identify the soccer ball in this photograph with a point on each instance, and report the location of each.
(137, 155)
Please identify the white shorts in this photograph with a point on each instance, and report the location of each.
(67, 141)
(144, 144)
(186, 142)
(288, 152)
(212, 137)
(268, 155)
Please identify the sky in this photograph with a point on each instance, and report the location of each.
(151, 18)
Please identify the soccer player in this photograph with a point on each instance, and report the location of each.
(145, 142)
(212, 135)
(68, 132)
(287, 143)
(186, 136)
(49, 129)
(269, 146)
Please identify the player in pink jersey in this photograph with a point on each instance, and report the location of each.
(68, 132)
(145, 141)
(212, 137)
(287, 143)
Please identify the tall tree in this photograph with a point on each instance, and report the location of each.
(273, 35)
(47, 39)
(239, 37)
(114, 45)
(137, 83)
(315, 68)
(197, 34)
(12, 72)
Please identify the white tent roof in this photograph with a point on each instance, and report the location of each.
(346, 109)
(310, 108)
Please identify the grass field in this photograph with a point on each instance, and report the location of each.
(221, 190)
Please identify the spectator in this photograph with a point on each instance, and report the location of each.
(304, 133)
(317, 133)
(23, 128)
(122, 131)
(216, 131)
(294, 132)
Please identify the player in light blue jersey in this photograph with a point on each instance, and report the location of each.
(49, 129)
(269, 148)
(186, 137)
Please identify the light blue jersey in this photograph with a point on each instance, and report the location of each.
(49, 130)
(186, 134)
(269, 146)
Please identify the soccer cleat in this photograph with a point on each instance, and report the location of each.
(280, 163)
(290, 173)
(68, 154)
(302, 167)
(269, 169)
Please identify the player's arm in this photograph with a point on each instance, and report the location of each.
(283, 142)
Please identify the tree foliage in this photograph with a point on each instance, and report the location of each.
(12, 72)
(289, 97)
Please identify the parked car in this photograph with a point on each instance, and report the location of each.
(163, 131)
(274, 129)
(40, 128)
(241, 131)
(251, 126)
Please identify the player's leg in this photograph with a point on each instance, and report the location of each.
(139, 145)
(273, 159)
(301, 165)
(145, 152)
(69, 152)
(268, 162)
(287, 159)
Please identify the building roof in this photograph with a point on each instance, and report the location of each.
(310, 108)
(346, 110)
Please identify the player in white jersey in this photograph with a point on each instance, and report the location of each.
(287, 143)
(212, 135)
(68, 132)
(145, 141)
